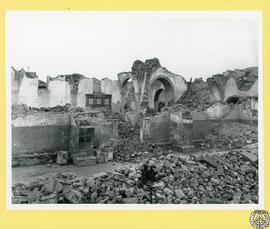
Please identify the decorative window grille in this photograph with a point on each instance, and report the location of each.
(93, 100)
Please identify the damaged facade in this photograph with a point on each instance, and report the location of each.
(146, 85)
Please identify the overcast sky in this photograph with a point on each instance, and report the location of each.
(102, 44)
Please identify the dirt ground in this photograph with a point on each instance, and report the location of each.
(28, 174)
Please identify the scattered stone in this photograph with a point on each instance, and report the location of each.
(33, 196)
(62, 157)
(179, 193)
(72, 196)
(48, 186)
(179, 180)
(250, 157)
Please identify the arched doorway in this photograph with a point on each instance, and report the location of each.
(162, 93)
(159, 100)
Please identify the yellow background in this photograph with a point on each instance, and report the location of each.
(133, 219)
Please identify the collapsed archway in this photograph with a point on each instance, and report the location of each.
(161, 93)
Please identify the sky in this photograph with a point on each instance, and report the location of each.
(101, 44)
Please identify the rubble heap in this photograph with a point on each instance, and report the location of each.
(197, 97)
(20, 110)
(222, 178)
(230, 135)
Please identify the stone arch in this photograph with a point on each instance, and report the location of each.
(128, 95)
(123, 77)
(168, 90)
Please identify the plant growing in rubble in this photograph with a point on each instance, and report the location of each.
(148, 178)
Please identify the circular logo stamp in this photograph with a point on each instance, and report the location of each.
(259, 219)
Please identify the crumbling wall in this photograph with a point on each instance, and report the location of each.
(156, 129)
(43, 98)
(231, 90)
(85, 87)
(59, 92)
(112, 87)
(167, 127)
(180, 129)
(28, 92)
(239, 83)
(40, 132)
(106, 133)
(217, 110)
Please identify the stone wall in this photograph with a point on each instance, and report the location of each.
(40, 132)
(167, 127)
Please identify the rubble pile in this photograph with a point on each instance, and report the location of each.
(197, 97)
(66, 108)
(230, 135)
(128, 147)
(127, 130)
(20, 110)
(134, 151)
(221, 178)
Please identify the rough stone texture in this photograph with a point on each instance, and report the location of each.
(180, 180)
(197, 96)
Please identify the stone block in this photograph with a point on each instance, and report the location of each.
(101, 156)
(109, 154)
(19, 200)
(131, 200)
(62, 157)
(210, 161)
(250, 157)
(84, 160)
(185, 149)
(49, 199)
(33, 196)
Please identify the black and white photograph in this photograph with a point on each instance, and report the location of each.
(134, 109)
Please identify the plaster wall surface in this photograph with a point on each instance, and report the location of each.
(59, 92)
(85, 87)
(28, 93)
(43, 98)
